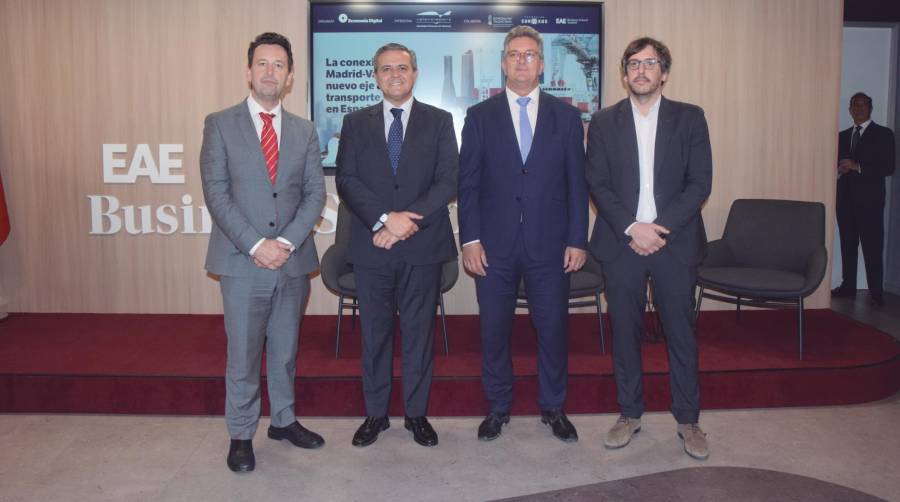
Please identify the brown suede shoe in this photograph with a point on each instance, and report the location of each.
(694, 441)
(620, 434)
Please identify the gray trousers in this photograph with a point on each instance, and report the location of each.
(261, 309)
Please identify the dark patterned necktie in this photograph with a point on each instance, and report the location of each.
(395, 138)
(854, 140)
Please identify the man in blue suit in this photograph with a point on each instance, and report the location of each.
(523, 212)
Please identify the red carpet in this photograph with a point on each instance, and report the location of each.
(173, 364)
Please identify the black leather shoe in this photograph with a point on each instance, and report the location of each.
(240, 455)
(492, 426)
(842, 292)
(423, 432)
(562, 428)
(369, 430)
(298, 435)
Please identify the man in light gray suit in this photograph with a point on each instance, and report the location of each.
(263, 184)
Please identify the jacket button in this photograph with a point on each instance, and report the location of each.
(275, 195)
(271, 223)
(396, 187)
(518, 198)
(524, 171)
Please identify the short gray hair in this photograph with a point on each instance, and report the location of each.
(525, 31)
(395, 47)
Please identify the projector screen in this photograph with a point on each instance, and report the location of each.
(458, 48)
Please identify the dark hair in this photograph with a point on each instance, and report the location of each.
(861, 95)
(270, 38)
(395, 47)
(665, 57)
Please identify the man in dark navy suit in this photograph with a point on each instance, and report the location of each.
(866, 158)
(650, 170)
(523, 212)
(397, 168)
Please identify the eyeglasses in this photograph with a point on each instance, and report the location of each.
(649, 64)
(516, 56)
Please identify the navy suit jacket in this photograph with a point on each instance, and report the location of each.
(876, 156)
(682, 178)
(425, 183)
(546, 196)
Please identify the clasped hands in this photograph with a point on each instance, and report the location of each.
(271, 254)
(398, 227)
(647, 238)
(847, 165)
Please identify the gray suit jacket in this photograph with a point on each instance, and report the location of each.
(244, 205)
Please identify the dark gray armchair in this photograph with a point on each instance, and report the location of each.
(772, 254)
(585, 283)
(337, 274)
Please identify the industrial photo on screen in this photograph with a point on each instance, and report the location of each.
(459, 49)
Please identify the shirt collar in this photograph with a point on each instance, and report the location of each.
(511, 96)
(863, 126)
(406, 106)
(256, 108)
(654, 110)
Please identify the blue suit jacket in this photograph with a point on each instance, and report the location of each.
(547, 195)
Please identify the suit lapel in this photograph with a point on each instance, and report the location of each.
(628, 137)
(412, 135)
(543, 128)
(248, 131)
(288, 147)
(376, 136)
(505, 123)
(665, 129)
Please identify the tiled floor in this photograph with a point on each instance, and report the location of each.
(133, 458)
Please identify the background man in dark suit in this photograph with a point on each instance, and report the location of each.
(649, 171)
(866, 157)
(397, 168)
(523, 213)
(263, 185)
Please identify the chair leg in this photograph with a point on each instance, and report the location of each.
(337, 335)
(800, 323)
(600, 321)
(737, 312)
(444, 324)
(697, 307)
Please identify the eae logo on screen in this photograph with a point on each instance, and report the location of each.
(110, 216)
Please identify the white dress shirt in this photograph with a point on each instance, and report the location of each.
(531, 109)
(645, 130)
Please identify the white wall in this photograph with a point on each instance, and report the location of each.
(868, 66)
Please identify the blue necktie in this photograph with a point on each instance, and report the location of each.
(525, 134)
(395, 138)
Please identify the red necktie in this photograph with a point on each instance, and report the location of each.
(269, 143)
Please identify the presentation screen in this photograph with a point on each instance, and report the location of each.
(459, 47)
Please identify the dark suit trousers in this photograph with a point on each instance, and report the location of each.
(263, 309)
(548, 302)
(861, 222)
(673, 295)
(413, 291)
